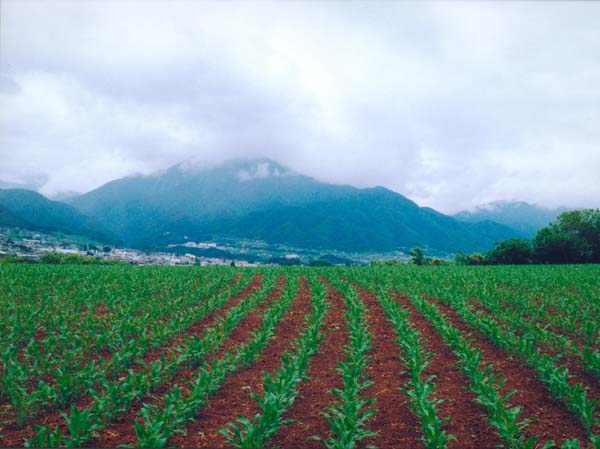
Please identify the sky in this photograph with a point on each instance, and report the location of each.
(452, 104)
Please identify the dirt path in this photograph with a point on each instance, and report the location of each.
(394, 422)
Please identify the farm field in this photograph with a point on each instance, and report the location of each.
(387, 356)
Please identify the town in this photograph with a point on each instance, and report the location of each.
(31, 246)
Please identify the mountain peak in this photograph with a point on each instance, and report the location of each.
(241, 170)
(525, 217)
(259, 168)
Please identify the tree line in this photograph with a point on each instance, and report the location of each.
(573, 237)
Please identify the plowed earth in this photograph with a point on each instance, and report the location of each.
(550, 419)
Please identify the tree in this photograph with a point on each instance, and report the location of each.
(476, 259)
(461, 259)
(574, 237)
(416, 256)
(469, 259)
(583, 225)
(512, 252)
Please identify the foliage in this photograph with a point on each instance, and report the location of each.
(60, 322)
(417, 256)
(75, 259)
(510, 252)
(574, 237)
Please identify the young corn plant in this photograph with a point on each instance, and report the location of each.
(483, 381)
(349, 416)
(162, 422)
(280, 389)
(45, 437)
(418, 388)
(80, 425)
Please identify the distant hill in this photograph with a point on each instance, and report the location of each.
(10, 220)
(523, 217)
(28, 209)
(260, 199)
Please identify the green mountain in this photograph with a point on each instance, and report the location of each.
(260, 199)
(31, 210)
(10, 220)
(523, 217)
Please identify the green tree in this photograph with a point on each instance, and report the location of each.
(476, 259)
(461, 259)
(585, 225)
(417, 256)
(52, 257)
(574, 237)
(511, 252)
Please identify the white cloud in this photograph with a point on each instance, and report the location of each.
(452, 104)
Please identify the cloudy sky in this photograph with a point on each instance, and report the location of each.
(451, 104)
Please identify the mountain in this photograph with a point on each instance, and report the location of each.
(10, 220)
(260, 199)
(28, 209)
(523, 217)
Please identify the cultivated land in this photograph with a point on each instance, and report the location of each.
(404, 356)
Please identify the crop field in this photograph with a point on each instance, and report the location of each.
(386, 356)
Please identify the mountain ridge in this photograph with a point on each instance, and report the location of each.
(32, 210)
(526, 218)
(261, 199)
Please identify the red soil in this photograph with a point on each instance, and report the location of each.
(467, 421)
(573, 363)
(394, 422)
(122, 432)
(233, 398)
(315, 393)
(552, 420)
(11, 436)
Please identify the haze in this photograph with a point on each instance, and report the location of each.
(451, 104)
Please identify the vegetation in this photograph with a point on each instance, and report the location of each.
(574, 237)
(85, 346)
(75, 259)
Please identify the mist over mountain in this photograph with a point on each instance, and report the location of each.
(263, 200)
(524, 217)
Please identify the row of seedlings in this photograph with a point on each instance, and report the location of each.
(525, 346)
(119, 396)
(419, 387)
(281, 388)
(520, 320)
(160, 423)
(72, 379)
(348, 416)
(484, 383)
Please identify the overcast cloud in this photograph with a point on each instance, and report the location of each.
(450, 104)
